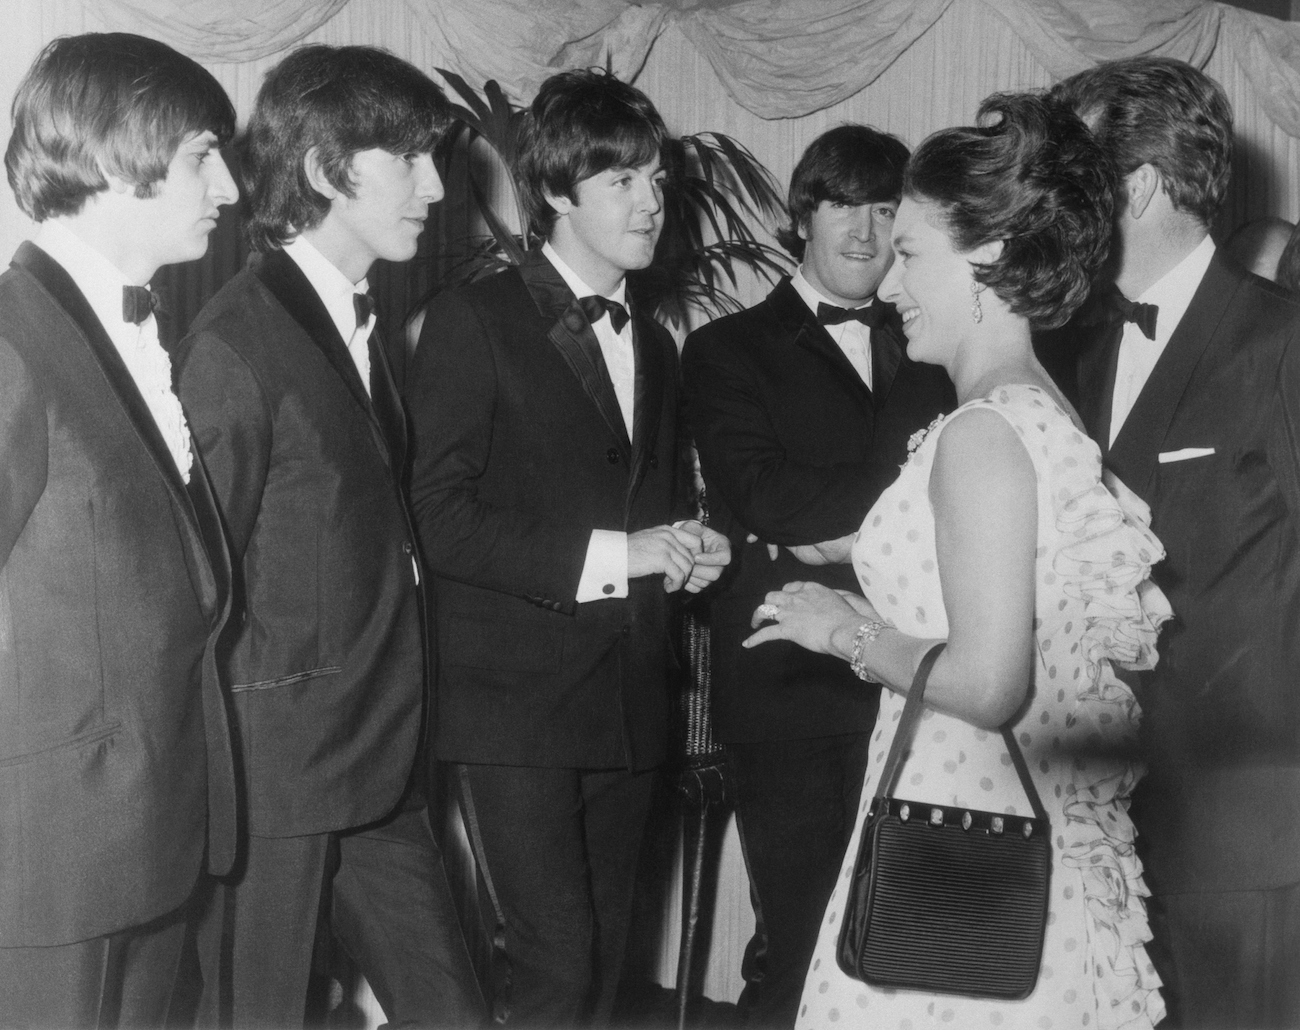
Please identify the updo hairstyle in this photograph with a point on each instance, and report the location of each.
(1029, 174)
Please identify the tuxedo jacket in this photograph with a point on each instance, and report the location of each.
(1212, 444)
(795, 449)
(325, 655)
(520, 451)
(115, 754)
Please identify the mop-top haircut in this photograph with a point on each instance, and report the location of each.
(106, 103)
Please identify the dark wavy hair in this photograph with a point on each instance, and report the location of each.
(580, 124)
(1162, 112)
(339, 100)
(106, 102)
(850, 164)
(1031, 175)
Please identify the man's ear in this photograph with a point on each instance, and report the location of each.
(315, 169)
(561, 205)
(115, 182)
(1140, 186)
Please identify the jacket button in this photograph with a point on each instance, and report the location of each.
(627, 631)
(654, 461)
(407, 547)
(611, 456)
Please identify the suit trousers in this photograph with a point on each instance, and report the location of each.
(1229, 959)
(796, 802)
(557, 854)
(122, 980)
(385, 894)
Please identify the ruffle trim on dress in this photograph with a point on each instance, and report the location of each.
(1107, 564)
(1097, 840)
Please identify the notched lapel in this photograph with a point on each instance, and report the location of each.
(1134, 457)
(805, 331)
(52, 276)
(573, 336)
(280, 274)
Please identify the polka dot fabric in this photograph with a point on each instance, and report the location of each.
(1095, 609)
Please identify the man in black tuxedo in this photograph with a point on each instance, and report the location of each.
(544, 476)
(296, 413)
(801, 408)
(117, 779)
(1194, 401)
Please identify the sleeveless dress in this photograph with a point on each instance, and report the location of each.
(1095, 606)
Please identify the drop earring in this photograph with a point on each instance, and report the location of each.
(976, 311)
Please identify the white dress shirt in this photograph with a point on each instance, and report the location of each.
(101, 282)
(336, 291)
(852, 337)
(604, 571)
(1172, 294)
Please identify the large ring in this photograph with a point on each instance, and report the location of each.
(769, 611)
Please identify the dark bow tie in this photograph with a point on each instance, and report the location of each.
(870, 315)
(364, 305)
(1141, 315)
(595, 308)
(138, 303)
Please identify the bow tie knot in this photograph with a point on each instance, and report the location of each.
(364, 305)
(138, 303)
(596, 307)
(871, 315)
(1141, 315)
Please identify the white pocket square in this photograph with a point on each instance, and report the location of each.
(1182, 455)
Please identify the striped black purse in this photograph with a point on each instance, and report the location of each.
(947, 900)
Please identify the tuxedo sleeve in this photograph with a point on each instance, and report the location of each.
(24, 448)
(231, 423)
(455, 404)
(774, 494)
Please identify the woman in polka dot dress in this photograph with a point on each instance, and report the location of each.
(1000, 537)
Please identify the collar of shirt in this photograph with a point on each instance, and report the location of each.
(615, 348)
(333, 287)
(1172, 293)
(99, 280)
(149, 365)
(580, 288)
(852, 337)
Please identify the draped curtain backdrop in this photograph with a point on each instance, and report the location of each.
(771, 73)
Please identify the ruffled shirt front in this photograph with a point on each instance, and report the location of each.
(1095, 610)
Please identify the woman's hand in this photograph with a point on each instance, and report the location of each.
(813, 616)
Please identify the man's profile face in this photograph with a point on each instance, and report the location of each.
(615, 223)
(183, 210)
(847, 249)
(386, 213)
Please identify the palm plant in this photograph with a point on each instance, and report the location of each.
(716, 189)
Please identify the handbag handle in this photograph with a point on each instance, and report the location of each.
(907, 727)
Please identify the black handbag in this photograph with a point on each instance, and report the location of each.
(947, 900)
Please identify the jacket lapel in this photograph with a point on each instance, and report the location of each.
(803, 328)
(887, 347)
(648, 400)
(1137, 446)
(282, 276)
(573, 336)
(60, 285)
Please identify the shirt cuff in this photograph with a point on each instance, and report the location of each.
(604, 573)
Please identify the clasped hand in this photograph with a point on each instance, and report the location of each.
(690, 555)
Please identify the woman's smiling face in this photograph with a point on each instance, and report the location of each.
(929, 282)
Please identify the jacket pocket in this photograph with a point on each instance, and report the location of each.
(284, 681)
